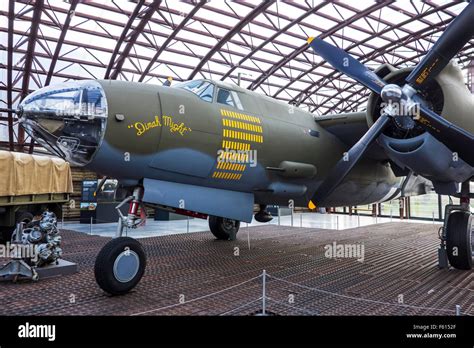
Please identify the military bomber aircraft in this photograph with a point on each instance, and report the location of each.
(212, 150)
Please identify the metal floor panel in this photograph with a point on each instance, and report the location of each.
(400, 259)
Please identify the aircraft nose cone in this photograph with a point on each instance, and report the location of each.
(67, 119)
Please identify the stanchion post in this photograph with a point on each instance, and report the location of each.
(248, 237)
(264, 292)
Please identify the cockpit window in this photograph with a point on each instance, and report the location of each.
(203, 89)
(228, 97)
(237, 101)
(207, 93)
(224, 97)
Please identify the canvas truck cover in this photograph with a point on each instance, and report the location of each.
(24, 174)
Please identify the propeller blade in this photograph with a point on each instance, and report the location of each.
(456, 138)
(457, 34)
(343, 167)
(345, 63)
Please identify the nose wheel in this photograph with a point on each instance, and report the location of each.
(121, 262)
(120, 265)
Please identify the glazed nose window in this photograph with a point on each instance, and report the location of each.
(68, 119)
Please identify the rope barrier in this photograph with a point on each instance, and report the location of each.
(276, 279)
(198, 298)
(292, 307)
(240, 307)
(358, 298)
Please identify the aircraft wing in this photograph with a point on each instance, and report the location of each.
(349, 128)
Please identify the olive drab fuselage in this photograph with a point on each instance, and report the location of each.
(279, 152)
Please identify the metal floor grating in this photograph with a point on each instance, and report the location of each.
(400, 259)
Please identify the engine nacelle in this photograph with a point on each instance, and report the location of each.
(417, 149)
(447, 95)
(428, 157)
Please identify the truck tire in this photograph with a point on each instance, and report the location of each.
(23, 216)
(6, 234)
(7, 231)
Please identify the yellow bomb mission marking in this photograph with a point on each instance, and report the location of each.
(143, 127)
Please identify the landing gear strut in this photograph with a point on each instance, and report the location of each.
(456, 236)
(120, 264)
(136, 212)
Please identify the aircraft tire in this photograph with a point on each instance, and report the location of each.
(120, 265)
(458, 240)
(224, 229)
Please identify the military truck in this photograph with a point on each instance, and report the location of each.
(30, 185)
